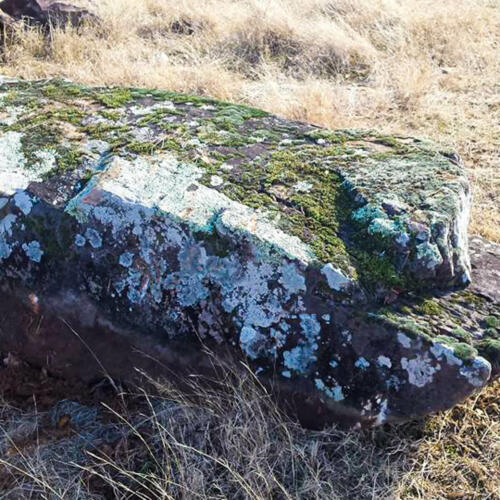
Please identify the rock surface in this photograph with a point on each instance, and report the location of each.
(334, 261)
(46, 12)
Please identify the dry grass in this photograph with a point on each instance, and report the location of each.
(231, 442)
(426, 68)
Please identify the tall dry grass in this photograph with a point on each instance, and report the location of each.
(427, 68)
(231, 442)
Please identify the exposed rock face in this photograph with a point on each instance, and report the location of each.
(44, 12)
(142, 220)
(6, 25)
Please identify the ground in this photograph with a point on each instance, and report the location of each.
(104, 441)
(418, 69)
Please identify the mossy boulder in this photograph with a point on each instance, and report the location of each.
(168, 220)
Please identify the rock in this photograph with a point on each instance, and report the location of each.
(6, 26)
(139, 227)
(17, 9)
(46, 12)
(62, 14)
(5, 20)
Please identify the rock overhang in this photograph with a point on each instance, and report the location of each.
(176, 212)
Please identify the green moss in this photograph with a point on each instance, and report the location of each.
(144, 147)
(429, 307)
(69, 115)
(406, 310)
(59, 90)
(157, 116)
(10, 98)
(470, 297)
(209, 133)
(492, 321)
(460, 349)
(327, 135)
(402, 323)
(490, 349)
(462, 334)
(491, 332)
(234, 115)
(54, 243)
(110, 115)
(278, 166)
(113, 98)
(105, 131)
(40, 137)
(376, 269)
(387, 140)
(68, 159)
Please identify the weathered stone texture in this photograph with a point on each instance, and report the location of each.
(44, 12)
(172, 219)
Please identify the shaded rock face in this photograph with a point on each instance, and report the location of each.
(46, 12)
(147, 221)
(6, 22)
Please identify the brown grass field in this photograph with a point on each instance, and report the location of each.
(424, 68)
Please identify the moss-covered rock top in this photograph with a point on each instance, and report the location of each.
(383, 211)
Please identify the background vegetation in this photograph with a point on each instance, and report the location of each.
(423, 68)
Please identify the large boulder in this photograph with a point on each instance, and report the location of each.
(140, 227)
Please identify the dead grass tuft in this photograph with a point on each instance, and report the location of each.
(229, 440)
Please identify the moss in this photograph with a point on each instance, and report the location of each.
(175, 97)
(461, 350)
(376, 269)
(387, 140)
(490, 349)
(113, 98)
(264, 170)
(462, 334)
(10, 98)
(327, 135)
(491, 332)
(429, 307)
(405, 309)
(157, 116)
(144, 147)
(59, 90)
(87, 176)
(402, 323)
(492, 321)
(69, 159)
(237, 115)
(105, 130)
(54, 235)
(39, 137)
(110, 115)
(471, 298)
